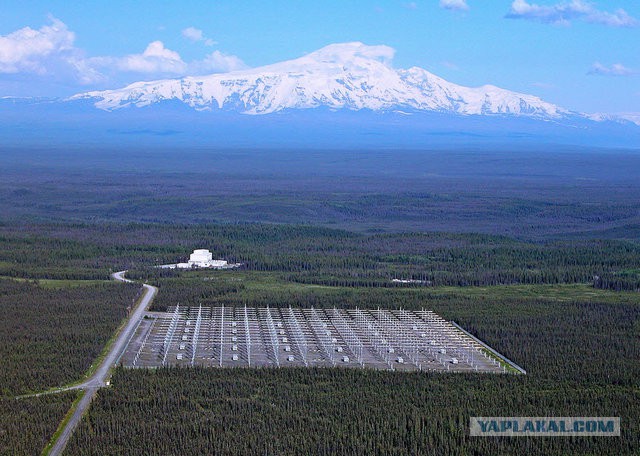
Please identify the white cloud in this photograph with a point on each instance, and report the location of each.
(565, 13)
(347, 52)
(31, 51)
(49, 54)
(380, 52)
(217, 62)
(193, 34)
(196, 35)
(450, 65)
(617, 69)
(456, 5)
(84, 72)
(411, 6)
(159, 61)
(155, 59)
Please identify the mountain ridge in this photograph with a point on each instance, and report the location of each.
(351, 76)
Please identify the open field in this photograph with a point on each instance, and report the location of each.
(56, 284)
(251, 283)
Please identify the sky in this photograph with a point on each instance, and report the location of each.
(582, 55)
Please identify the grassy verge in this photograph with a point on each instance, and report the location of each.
(57, 284)
(63, 424)
(268, 282)
(556, 292)
(107, 348)
(508, 367)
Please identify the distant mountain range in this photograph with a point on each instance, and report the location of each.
(350, 76)
(343, 95)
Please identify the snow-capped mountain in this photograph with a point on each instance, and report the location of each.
(350, 76)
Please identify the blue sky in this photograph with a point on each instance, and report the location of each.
(582, 55)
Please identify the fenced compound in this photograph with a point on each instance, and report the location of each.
(280, 337)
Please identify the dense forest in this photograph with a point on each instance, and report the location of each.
(50, 336)
(558, 308)
(547, 193)
(27, 424)
(313, 255)
(621, 280)
(580, 355)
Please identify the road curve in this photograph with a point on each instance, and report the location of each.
(99, 378)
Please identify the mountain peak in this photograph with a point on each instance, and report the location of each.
(350, 76)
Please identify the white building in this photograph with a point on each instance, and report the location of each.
(202, 258)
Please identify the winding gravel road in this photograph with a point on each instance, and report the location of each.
(99, 378)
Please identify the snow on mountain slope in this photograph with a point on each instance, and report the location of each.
(349, 75)
(633, 117)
